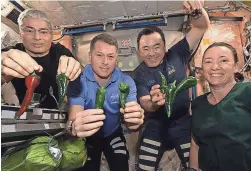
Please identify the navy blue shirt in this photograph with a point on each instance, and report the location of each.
(174, 68)
(82, 91)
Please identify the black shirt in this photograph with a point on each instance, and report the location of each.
(49, 63)
(174, 68)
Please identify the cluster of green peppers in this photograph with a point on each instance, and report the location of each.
(124, 91)
(61, 80)
(100, 97)
(171, 90)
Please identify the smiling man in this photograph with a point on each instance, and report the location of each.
(102, 127)
(37, 53)
(162, 133)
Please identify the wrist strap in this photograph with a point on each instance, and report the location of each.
(68, 127)
(196, 14)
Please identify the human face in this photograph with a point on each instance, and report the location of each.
(103, 59)
(218, 66)
(36, 37)
(152, 49)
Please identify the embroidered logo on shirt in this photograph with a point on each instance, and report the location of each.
(170, 69)
(114, 98)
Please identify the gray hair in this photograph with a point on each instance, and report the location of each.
(35, 14)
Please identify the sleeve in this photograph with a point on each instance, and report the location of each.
(7, 48)
(183, 50)
(132, 96)
(75, 92)
(193, 106)
(246, 95)
(142, 89)
(18, 46)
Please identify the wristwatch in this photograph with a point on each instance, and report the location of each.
(68, 127)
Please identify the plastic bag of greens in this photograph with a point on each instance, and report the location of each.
(74, 153)
(14, 162)
(41, 153)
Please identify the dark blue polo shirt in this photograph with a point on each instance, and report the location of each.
(174, 68)
(82, 91)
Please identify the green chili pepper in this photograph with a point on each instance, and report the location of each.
(169, 90)
(61, 80)
(100, 97)
(163, 85)
(186, 84)
(124, 91)
(170, 96)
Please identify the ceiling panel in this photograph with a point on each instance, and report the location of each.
(149, 7)
(35, 4)
(83, 11)
(170, 6)
(133, 8)
(75, 12)
(109, 9)
(213, 4)
(76, 4)
(61, 18)
(51, 5)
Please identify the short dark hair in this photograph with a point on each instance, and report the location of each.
(151, 30)
(230, 47)
(105, 38)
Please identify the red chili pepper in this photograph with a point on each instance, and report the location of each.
(31, 82)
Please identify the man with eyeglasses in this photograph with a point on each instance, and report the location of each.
(37, 54)
(162, 133)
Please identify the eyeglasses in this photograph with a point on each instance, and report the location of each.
(32, 31)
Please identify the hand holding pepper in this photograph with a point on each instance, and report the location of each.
(88, 122)
(70, 67)
(18, 64)
(133, 115)
(192, 5)
(157, 97)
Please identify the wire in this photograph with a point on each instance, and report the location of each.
(58, 38)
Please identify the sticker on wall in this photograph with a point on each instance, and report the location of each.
(131, 64)
(126, 42)
(120, 64)
(206, 41)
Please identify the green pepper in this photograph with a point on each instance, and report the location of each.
(100, 97)
(124, 91)
(169, 90)
(170, 96)
(61, 80)
(186, 84)
(163, 85)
